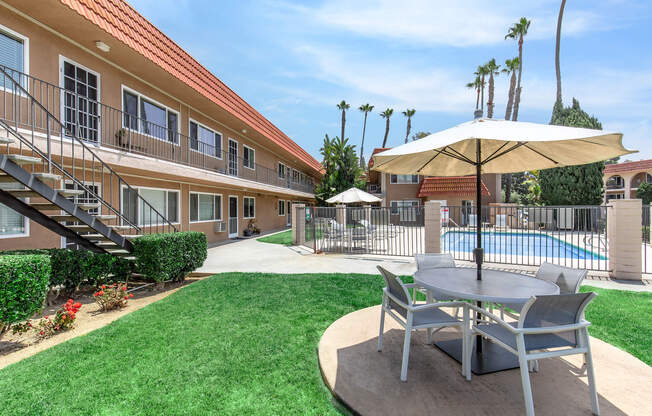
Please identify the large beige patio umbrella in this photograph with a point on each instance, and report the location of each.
(351, 196)
(498, 146)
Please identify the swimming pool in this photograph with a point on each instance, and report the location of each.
(517, 244)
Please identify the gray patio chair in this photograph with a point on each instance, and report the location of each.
(546, 322)
(398, 304)
(568, 279)
(433, 261)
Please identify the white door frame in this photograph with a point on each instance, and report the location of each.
(228, 155)
(229, 217)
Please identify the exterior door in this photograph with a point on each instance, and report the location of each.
(288, 213)
(80, 102)
(233, 216)
(233, 157)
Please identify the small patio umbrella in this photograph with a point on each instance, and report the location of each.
(351, 196)
(498, 146)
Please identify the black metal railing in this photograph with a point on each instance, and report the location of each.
(573, 236)
(25, 113)
(365, 230)
(95, 123)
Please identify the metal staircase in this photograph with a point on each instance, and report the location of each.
(50, 175)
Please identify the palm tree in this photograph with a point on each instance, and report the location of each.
(511, 65)
(557, 65)
(365, 108)
(386, 115)
(518, 31)
(482, 71)
(408, 113)
(475, 85)
(493, 69)
(343, 106)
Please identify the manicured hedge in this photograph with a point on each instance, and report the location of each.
(170, 256)
(24, 282)
(72, 268)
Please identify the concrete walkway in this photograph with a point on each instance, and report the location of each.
(253, 256)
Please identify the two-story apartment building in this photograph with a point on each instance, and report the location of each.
(621, 180)
(138, 128)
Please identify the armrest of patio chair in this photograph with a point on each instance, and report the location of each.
(452, 304)
(553, 329)
(492, 316)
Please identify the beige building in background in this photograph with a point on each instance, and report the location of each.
(621, 180)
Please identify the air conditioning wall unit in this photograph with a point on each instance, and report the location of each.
(220, 227)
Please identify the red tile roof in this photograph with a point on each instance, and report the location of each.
(639, 165)
(376, 150)
(124, 23)
(461, 185)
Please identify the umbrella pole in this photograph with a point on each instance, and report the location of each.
(478, 252)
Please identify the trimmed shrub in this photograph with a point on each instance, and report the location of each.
(24, 282)
(72, 268)
(170, 256)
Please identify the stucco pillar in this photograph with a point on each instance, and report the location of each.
(625, 238)
(298, 224)
(432, 226)
(340, 214)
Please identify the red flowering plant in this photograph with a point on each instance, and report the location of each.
(64, 319)
(110, 297)
(22, 327)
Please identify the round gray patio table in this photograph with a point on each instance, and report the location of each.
(495, 287)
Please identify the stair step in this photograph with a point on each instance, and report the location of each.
(48, 206)
(68, 217)
(118, 251)
(4, 139)
(70, 192)
(107, 243)
(23, 159)
(27, 193)
(7, 179)
(98, 237)
(45, 176)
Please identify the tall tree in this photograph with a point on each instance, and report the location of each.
(493, 69)
(518, 31)
(511, 65)
(557, 47)
(481, 72)
(386, 115)
(366, 109)
(408, 113)
(342, 170)
(475, 85)
(343, 106)
(573, 185)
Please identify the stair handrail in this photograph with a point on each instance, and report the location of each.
(104, 165)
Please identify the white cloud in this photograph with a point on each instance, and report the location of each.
(453, 23)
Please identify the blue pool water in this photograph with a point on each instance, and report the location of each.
(517, 244)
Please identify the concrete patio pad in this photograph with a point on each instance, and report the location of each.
(367, 381)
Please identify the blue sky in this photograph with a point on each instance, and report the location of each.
(294, 61)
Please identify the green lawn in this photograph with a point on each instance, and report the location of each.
(284, 238)
(232, 344)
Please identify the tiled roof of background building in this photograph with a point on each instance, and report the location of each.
(628, 166)
(460, 185)
(124, 23)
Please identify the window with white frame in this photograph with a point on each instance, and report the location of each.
(398, 206)
(281, 207)
(205, 207)
(281, 170)
(13, 56)
(403, 179)
(248, 157)
(205, 140)
(12, 224)
(144, 115)
(163, 201)
(249, 204)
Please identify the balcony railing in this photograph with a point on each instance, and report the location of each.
(105, 126)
